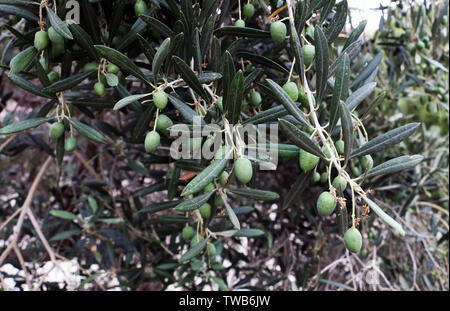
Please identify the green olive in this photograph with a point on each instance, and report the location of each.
(164, 122)
(278, 31)
(239, 23)
(307, 160)
(99, 88)
(160, 99)
(56, 130)
(113, 68)
(326, 204)
(152, 140)
(140, 7)
(243, 169)
(41, 40)
(308, 51)
(292, 90)
(255, 98)
(205, 210)
(248, 10)
(70, 144)
(54, 36)
(339, 182)
(187, 233)
(353, 240)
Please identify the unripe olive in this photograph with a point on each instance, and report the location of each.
(367, 162)
(340, 146)
(308, 51)
(239, 23)
(113, 68)
(211, 250)
(187, 233)
(420, 45)
(53, 76)
(219, 103)
(410, 47)
(244, 105)
(205, 210)
(218, 201)
(303, 98)
(196, 239)
(54, 36)
(307, 160)
(248, 10)
(255, 98)
(339, 182)
(209, 187)
(44, 65)
(223, 178)
(243, 169)
(278, 31)
(57, 49)
(292, 90)
(316, 177)
(323, 177)
(309, 32)
(90, 66)
(164, 122)
(99, 88)
(326, 204)
(356, 171)
(70, 144)
(56, 130)
(41, 40)
(152, 140)
(140, 7)
(160, 99)
(353, 240)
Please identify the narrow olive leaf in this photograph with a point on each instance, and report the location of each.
(122, 92)
(175, 46)
(190, 78)
(207, 31)
(437, 21)
(232, 103)
(18, 11)
(359, 95)
(148, 50)
(194, 203)
(173, 183)
(83, 39)
(395, 165)
(23, 125)
(262, 60)
(232, 215)
(374, 104)
(122, 61)
(21, 60)
(386, 140)
(208, 10)
(241, 32)
(355, 34)
(347, 130)
(301, 14)
(136, 166)
(60, 150)
(272, 114)
(255, 194)
(340, 91)
(88, 132)
(321, 61)
(138, 27)
(296, 48)
(157, 207)
(116, 18)
(27, 85)
(287, 102)
(41, 73)
(326, 10)
(58, 24)
(206, 176)
(159, 58)
(352, 51)
(228, 72)
(284, 150)
(144, 121)
(338, 22)
(197, 52)
(252, 77)
(300, 138)
(194, 251)
(434, 63)
(385, 217)
(249, 233)
(157, 25)
(222, 285)
(227, 233)
(187, 112)
(296, 190)
(370, 67)
(63, 214)
(128, 100)
(112, 79)
(67, 83)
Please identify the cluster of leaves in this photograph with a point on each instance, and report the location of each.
(128, 73)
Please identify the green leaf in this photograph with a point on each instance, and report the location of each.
(228, 72)
(128, 100)
(271, 114)
(88, 132)
(232, 103)
(296, 48)
(63, 214)
(262, 60)
(340, 91)
(255, 194)
(373, 105)
(27, 86)
(138, 27)
(206, 176)
(321, 61)
(386, 140)
(220, 283)
(23, 125)
(359, 95)
(187, 112)
(370, 67)
(65, 235)
(296, 190)
(84, 40)
(194, 251)
(157, 207)
(159, 26)
(159, 58)
(395, 165)
(338, 22)
(148, 50)
(232, 215)
(385, 217)
(67, 83)
(21, 60)
(287, 102)
(41, 73)
(300, 138)
(249, 233)
(347, 130)
(122, 61)
(194, 203)
(352, 51)
(19, 11)
(326, 10)
(137, 166)
(111, 221)
(241, 32)
(58, 24)
(355, 34)
(190, 78)
(301, 14)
